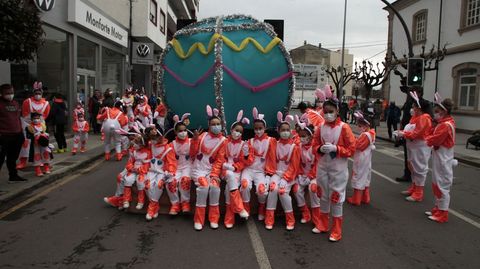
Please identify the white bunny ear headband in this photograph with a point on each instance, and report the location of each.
(258, 117)
(177, 120)
(359, 116)
(240, 120)
(37, 85)
(438, 100)
(415, 97)
(212, 113)
(329, 97)
(303, 123)
(288, 119)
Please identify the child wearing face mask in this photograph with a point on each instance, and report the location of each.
(80, 130)
(41, 151)
(443, 141)
(208, 152)
(181, 146)
(137, 166)
(418, 151)
(143, 112)
(34, 104)
(288, 162)
(334, 143)
(238, 155)
(78, 110)
(362, 162)
(306, 178)
(262, 168)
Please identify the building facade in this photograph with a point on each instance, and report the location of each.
(96, 44)
(459, 73)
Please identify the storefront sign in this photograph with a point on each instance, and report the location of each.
(81, 13)
(44, 5)
(142, 53)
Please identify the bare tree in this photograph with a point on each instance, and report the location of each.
(371, 75)
(336, 76)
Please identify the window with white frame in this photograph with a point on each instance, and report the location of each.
(467, 91)
(153, 11)
(162, 21)
(420, 26)
(472, 12)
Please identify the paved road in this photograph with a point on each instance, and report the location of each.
(69, 226)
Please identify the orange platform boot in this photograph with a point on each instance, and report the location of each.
(38, 171)
(199, 218)
(441, 216)
(417, 195)
(290, 221)
(269, 219)
(306, 217)
(22, 163)
(336, 233)
(366, 196)
(322, 225)
(152, 210)
(356, 198)
(229, 220)
(213, 216)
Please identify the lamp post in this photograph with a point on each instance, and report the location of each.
(342, 71)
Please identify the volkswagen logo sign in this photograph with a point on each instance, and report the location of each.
(44, 5)
(143, 50)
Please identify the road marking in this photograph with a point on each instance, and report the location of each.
(257, 244)
(385, 177)
(47, 190)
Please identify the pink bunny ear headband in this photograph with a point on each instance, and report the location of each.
(329, 97)
(258, 117)
(179, 120)
(415, 97)
(37, 86)
(212, 113)
(240, 120)
(359, 116)
(303, 124)
(438, 100)
(288, 119)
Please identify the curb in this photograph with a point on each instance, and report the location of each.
(461, 158)
(54, 176)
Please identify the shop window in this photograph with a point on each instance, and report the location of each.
(153, 12)
(86, 52)
(50, 67)
(420, 26)
(162, 21)
(466, 88)
(112, 63)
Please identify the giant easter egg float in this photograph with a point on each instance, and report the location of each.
(231, 63)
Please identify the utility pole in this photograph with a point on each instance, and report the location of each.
(342, 71)
(438, 41)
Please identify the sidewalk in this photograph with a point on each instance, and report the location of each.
(62, 165)
(468, 156)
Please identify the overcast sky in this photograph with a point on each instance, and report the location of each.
(317, 21)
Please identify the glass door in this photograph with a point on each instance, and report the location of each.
(85, 87)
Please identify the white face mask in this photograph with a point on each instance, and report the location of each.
(285, 135)
(304, 140)
(81, 119)
(182, 135)
(216, 129)
(437, 116)
(236, 135)
(259, 133)
(330, 117)
(37, 97)
(412, 112)
(8, 97)
(36, 121)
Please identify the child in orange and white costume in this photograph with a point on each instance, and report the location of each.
(321, 98)
(415, 133)
(78, 110)
(181, 147)
(288, 162)
(143, 112)
(208, 151)
(238, 155)
(113, 121)
(34, 104)
(137, 166)
(362, 162)
(161, 175)
(262, 168)
(80, 130)
(41, 149)
(160, 114)
(443, 141)
(128, 100)
(334, 143)
(306, 178)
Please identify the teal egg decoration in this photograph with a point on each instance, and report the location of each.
(231, 63)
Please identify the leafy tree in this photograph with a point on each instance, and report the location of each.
(21, 32)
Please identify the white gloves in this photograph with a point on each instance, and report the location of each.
(245, 149)
(229, 167)
(282, 184)
(327, 148)
(397, 134)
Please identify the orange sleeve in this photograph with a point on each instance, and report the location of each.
(219, 160)
(312, 175)
(25, 108)
(441, 133)
(245, 161)
(346, 143)
(170, 161)
(102, 116)
(271, 158)
(195, 146)
(144, 168)
(130, 163)
(317, 141)
(75, 127)
(292, 169)
(362, 142)
(162, 110)
(147, 111)
(87, 127)
(123, 120)
(422, 127)
(47, 110)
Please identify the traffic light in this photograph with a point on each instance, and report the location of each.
(415, 72)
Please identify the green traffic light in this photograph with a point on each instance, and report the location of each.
(416, 78)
